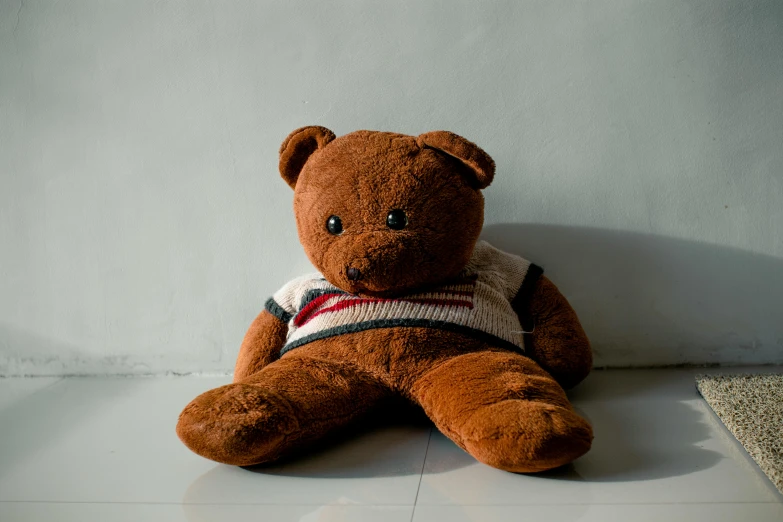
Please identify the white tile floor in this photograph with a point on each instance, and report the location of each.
(83, 449)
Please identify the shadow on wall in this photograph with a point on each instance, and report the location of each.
(648, 300)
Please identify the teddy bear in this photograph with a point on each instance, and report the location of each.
(407, 303)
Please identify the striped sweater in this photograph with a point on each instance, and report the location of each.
(478, 303)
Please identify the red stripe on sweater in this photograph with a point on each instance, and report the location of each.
(349, 303)
(304, 314)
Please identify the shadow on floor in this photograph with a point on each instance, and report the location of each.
(639, 437)
(636, 444)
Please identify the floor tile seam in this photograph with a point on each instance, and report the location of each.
(386, 505)
(582, 504)
(421, 474)
(146, 503)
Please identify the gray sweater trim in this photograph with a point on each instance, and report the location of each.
(397, 323)
(521, 301)
(277, 310)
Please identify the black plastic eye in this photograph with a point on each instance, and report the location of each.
(334, 225)
(396, 220)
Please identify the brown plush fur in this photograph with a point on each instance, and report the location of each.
(360, 178)
(558, 343)
(506, 409)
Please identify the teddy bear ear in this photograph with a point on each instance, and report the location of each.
(467, 152)
(297, 149)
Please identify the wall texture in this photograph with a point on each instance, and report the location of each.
(142, 222)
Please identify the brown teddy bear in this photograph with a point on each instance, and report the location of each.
(408, 303)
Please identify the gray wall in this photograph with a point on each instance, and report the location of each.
(142, 221)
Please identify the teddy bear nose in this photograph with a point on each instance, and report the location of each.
(353, 273)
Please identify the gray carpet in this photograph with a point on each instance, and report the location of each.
(751, 407)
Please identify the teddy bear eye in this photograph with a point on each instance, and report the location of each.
(334, 225)
(396, 219)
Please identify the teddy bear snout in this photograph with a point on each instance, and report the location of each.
(353, 273)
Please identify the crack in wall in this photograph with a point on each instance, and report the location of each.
(18, 12)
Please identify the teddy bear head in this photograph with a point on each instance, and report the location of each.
(380, 213)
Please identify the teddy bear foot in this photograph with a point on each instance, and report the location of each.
(291, 403)
(526, 436)
(238, 424)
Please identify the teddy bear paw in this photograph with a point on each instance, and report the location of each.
(526, 436)
(237, 424)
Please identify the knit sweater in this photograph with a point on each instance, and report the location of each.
(478, 303)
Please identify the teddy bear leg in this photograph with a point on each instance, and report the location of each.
(288, 404)
(503, 409)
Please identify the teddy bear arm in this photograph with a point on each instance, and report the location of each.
(558, 342)
(261, 346)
